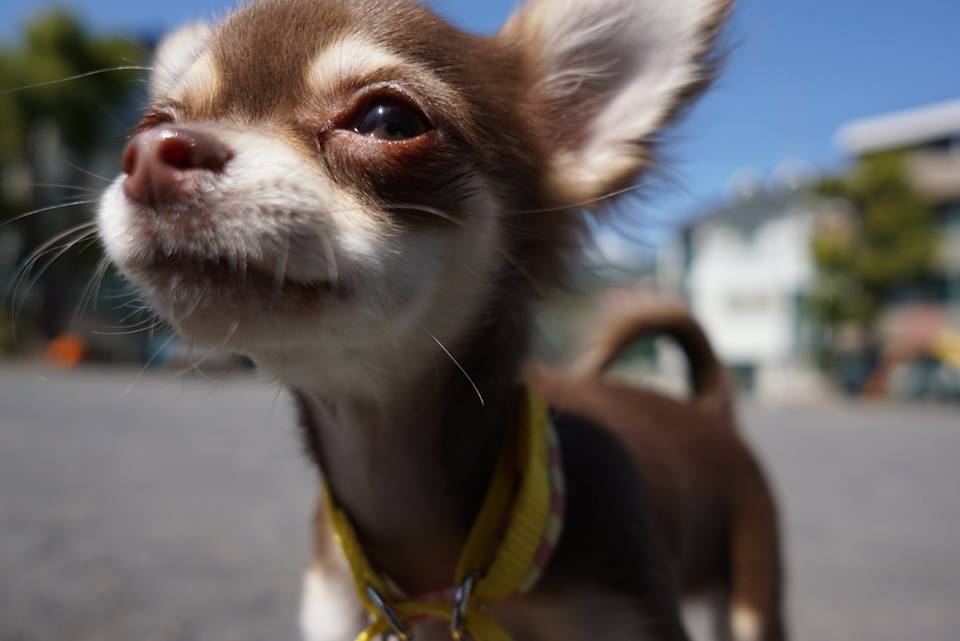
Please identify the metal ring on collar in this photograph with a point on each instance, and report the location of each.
(461, 602)
(389, 613)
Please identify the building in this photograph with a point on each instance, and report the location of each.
(747, 271)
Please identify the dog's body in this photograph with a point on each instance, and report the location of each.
(366, 202)
(711, 503)
(702, 502)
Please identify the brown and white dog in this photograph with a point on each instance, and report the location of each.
(367, 201)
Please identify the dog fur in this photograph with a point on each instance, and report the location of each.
(711, 502)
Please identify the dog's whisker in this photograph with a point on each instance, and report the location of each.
(60, 251)
(189, 310)
(86, 74)
(57, 186)
(460, 367)
(333, 270)
(103, 273)
(86, 172)
(580, 204)
(88, 293)
(46, 245)
(280, 272)
(156, 354)
(140, 323)
(42, 210)
(198, 365)
(130, 331)
(137, 311)
(24, 273)
(148, 322)
(129, 295)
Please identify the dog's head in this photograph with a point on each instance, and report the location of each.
(342, 178)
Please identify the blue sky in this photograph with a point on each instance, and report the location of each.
(799, 69)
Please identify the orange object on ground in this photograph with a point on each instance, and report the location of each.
(66, 351)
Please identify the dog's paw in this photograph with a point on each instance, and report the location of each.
(329, 610)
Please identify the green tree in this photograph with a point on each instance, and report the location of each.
(56, 46)
(55, 86)
(886, 244)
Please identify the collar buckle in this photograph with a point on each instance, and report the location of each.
(461, 603)
(384, 608)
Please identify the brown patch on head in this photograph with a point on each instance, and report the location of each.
(263, 48)
(201, 85)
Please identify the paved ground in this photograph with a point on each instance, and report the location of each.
(177, 511)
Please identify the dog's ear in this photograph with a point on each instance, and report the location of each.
(174, 55)
(605, 75)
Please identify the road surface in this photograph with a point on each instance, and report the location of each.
(161, 508)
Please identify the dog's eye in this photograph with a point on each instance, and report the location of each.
(391, 120)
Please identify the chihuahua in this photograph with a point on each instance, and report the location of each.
(368, 202)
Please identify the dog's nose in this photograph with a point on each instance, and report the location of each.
(161, 162)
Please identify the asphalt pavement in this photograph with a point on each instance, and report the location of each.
(176, 508)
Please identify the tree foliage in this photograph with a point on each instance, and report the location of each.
(62, 98)
(886, 245)
(56, 46)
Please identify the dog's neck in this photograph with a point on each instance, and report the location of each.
(412, 470)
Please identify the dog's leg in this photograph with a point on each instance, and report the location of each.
(718, 606)
(329, 609)
(755, 604)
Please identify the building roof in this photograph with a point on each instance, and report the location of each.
(749, 211)
(901, 129)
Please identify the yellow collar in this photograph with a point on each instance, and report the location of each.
(528, 486)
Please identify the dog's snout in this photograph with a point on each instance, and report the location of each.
(159, 163)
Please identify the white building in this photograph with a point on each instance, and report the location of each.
(746, 270)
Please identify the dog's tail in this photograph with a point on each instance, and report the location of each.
(630, 317)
